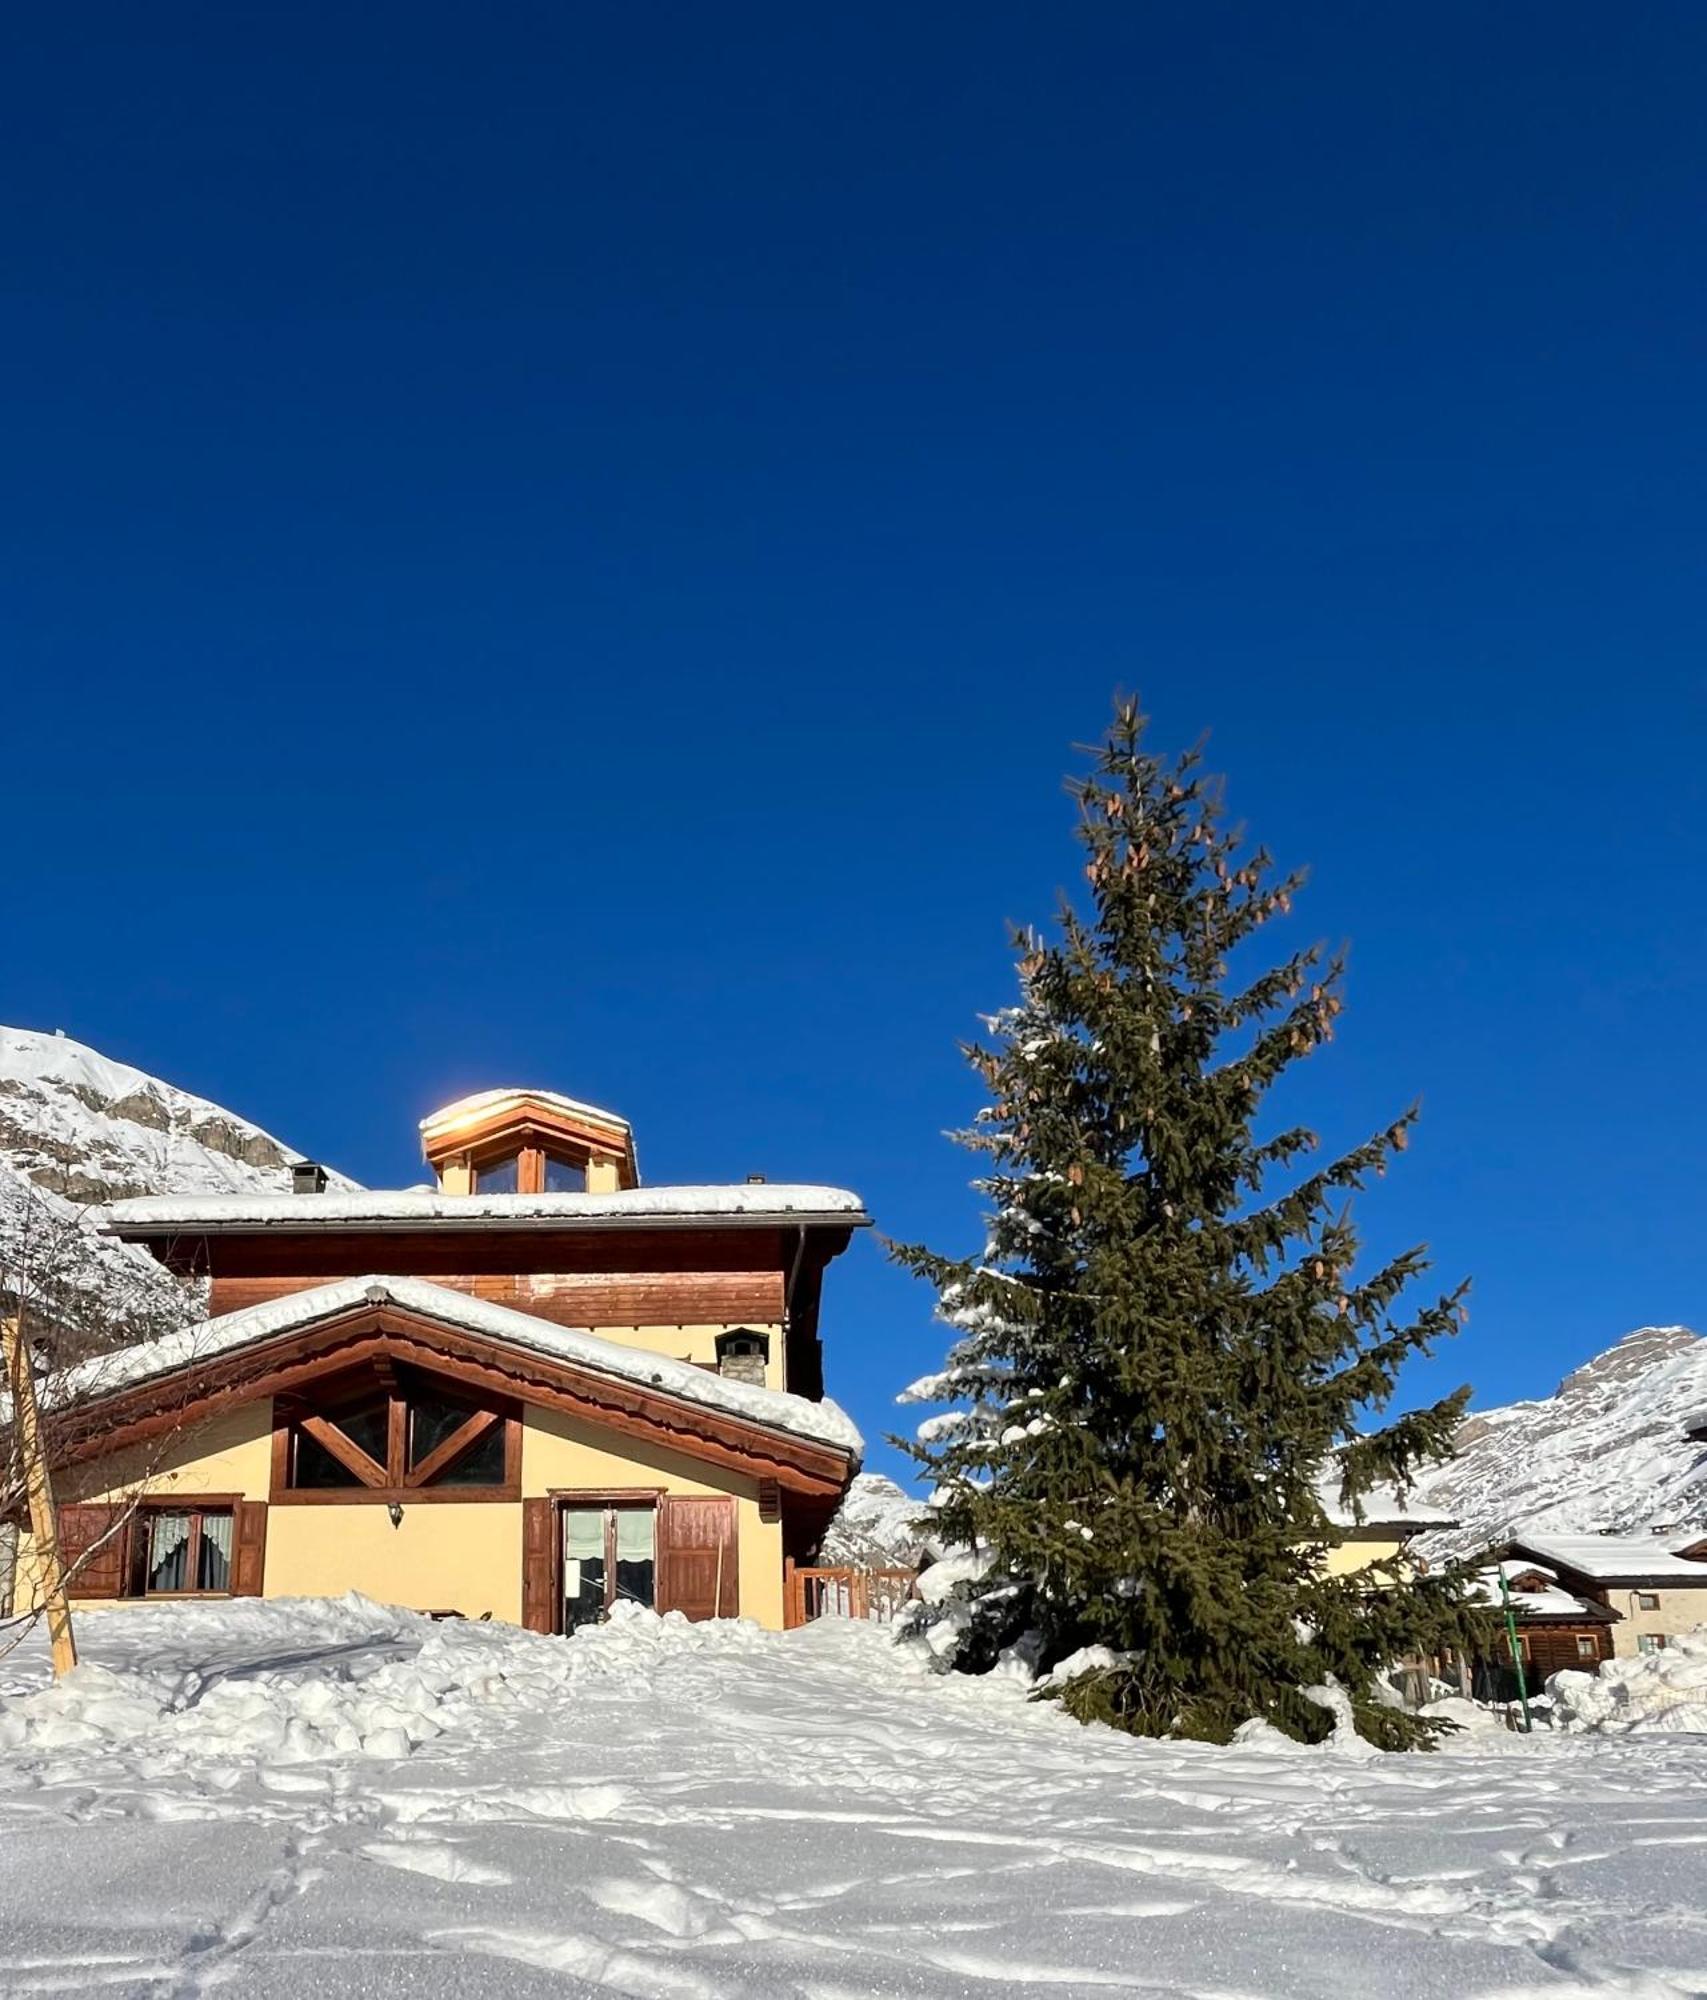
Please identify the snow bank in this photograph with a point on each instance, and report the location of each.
(304, 1680)
(1664, 1692)
(712, 1812)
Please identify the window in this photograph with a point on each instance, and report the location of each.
(530, 1170)
(1647, 1600)
(414, 1435)
(501, 1176)
(609, 1553)
(181, 1551)
(1650, 1642)
(1587, 1649)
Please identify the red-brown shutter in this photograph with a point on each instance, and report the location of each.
(249, 1558)
(698, 1574)
(94, 1547)
(539, 1566)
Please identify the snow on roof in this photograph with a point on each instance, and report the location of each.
(1610, 1558)
(1381, 1507)
(774, 1409)
(1549, 1603)
(465, 1108)
(764, 1201)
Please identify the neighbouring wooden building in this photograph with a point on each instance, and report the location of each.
(1653, 1585)
(529, 1391)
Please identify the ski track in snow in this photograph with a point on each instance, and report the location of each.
(683, 1812)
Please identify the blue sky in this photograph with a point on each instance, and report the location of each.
(571, 545)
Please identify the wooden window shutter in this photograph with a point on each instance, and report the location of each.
(249, 1558)
(539, 1566)
(698, 1572)
(94, 1546)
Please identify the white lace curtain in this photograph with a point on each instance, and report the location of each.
(169, 1552)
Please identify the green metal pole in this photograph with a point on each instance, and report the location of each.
(1516, 1653)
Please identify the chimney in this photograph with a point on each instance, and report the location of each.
(742, 1354)
(307, 1177)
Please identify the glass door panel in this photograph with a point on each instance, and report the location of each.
(584, 1575)
(635, 1566)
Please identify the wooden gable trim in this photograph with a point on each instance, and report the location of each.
(372, 1332)
(348, 1454)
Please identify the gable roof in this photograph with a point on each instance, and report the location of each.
(1383, 1507)
(255, 1327)
(1617, 1558)
(748, 1205)
(1537, 1606)
(484, 1103)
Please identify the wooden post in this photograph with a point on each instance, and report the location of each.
(44, 1527)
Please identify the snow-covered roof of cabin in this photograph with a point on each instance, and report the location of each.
(1610, 1558)
(774, 1409)
(1553, 1602)
(409, 1208)
(1382, 1506)
(483, 1101)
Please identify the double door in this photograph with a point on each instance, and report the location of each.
(610, 1556)
(585, 1553)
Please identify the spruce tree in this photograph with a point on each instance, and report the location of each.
(1164, 1350)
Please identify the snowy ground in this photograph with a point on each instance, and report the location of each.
(304, 1800)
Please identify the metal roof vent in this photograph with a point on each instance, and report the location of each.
(307, 1177)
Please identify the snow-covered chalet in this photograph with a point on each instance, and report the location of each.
(530, 1391)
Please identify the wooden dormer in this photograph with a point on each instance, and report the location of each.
(528, 1142)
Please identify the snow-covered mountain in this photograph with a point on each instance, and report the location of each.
(1610, 1449)
(877, 1527)
(78, 1129)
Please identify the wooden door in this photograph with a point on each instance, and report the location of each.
(698, 1572)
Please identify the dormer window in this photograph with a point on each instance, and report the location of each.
(528, 1142)
(499, 1176)
(531, 1171)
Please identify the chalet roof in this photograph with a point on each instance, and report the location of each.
(1540, 1605)
(483, 1103)
(1616, 1558)
(753, 1204)
(196, 1346)
(1381, 1507)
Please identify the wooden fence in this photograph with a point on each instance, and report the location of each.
(877, 1594)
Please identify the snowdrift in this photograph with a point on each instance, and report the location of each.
(1665, 1692)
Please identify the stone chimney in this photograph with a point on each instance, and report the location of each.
(742, 1355)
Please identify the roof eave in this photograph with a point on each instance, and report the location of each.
(394, 1225)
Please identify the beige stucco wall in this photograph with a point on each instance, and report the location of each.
(442, 1556)
(697, 1343)
(229, 1453)
(563, 1452)
(1681, 1610)
(1359, 1550)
